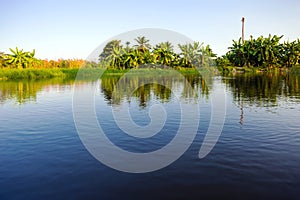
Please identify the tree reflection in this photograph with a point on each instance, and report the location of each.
(247, 89)
(263, 88)
(22, 92)
(116, 88)
(144, 88)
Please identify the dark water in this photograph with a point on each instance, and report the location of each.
(256, 156)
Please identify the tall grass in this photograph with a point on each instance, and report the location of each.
(150, 72)
(16, 74)
(32, 74)
(85, 73)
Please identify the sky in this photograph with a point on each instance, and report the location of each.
(73, 29)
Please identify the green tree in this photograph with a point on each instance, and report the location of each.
(166, 46)
(115, 57)
(3, 60)
(236, 53)
(191, 54)
(127, 48)
(141, 54)
(260, 52)
(289, 53)
(142, 43)
(131, 59)
(21, 59)
(163, 56)
(206, 56)
(108, 49)
(185, 55)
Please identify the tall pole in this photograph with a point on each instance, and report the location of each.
(242, 106)
(243, 22)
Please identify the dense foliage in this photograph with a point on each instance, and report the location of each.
(21, 59)
(263, 52)
(116, 56)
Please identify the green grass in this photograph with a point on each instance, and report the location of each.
(87, 73)
(35, 74)
(152, 72)
(225, 70)
(16, 74)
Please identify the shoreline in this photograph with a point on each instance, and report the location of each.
(37, 74)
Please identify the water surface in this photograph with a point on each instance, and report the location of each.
(257, 155)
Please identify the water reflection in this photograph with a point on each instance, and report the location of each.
(21, 92)
(263, 90)
(143, 88)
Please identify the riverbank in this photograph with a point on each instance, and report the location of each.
(225, 70)
(94, 73)
(36, 74)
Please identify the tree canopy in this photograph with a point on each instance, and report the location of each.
(264, 52)
(160, 55)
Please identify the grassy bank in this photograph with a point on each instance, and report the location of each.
(17, 74)
(225, 70)
(91, 73)
(152, 72)
(94, 73)
(32, 74)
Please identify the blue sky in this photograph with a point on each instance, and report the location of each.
(73, 29)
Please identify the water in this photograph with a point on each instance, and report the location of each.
(256, 156)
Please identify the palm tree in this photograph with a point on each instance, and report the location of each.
(2, 59)
(115, 57)
(260, 52)
(131, 59)
(196, 50)
(143, 43)
(163, 56)
(21, 59)
(236, 53)
(185, 55)
(165, 45)
(107, 50)
(191, 54)
(269, 50)
(127, 48)
(289, 53)
(206, 56)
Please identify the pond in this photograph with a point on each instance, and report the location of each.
(257, 154)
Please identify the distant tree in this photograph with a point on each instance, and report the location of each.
(108, 49)
(264, 52)
(127, 48)
(185, 54)
(192, 54)
(115, 57)
(206, 56)
(165, 45)
(21, 59)
(289, 53)
(2, 59)
(143, 43)
(163, 56)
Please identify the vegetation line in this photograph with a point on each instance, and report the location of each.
(260, 54)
